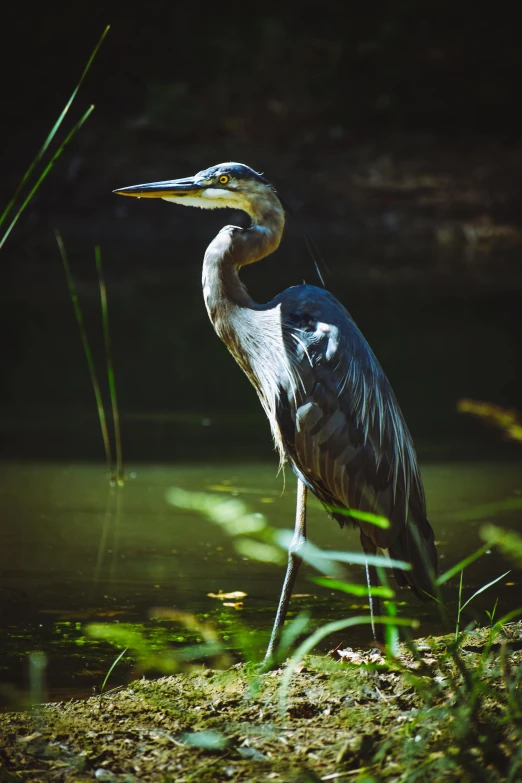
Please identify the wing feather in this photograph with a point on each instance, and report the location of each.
(343, 431)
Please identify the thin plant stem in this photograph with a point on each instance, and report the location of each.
(111, 669)
(459, 607)
(88, 354)
(110, 367)
(450, 573)
(49, 139)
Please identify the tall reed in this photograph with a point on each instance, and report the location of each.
(43, 149)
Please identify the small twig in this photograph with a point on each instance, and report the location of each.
(335, 775)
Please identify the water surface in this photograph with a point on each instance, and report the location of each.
(74, 550)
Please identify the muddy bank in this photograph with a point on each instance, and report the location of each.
(435, 712)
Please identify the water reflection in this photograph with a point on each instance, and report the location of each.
(73, 551)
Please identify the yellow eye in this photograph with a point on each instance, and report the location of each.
(223, 179)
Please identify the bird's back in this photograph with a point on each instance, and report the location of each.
(343, 432)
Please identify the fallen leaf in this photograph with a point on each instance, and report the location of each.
(235, 595)
(30, 737)
(349, 656)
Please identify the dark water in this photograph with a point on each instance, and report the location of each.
(74, 551)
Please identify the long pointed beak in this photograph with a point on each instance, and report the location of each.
(170, 187)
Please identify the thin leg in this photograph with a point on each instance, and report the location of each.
(294, 561)
(370, 596)
(373, 600)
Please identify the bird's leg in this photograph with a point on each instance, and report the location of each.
(294, 561)
(372, 581)
(370, 596)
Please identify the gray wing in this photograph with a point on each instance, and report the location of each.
(344, 433)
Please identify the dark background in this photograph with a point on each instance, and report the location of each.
(394, 132)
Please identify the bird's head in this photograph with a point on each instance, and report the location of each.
(225, 185)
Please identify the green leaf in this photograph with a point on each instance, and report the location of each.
(206, 740)
(318, 557)
(264, 553)
(509, 543)
(506, 619)
(113, 666)
(461, 565)
(362, 516)
(119, 635)
(359, 590)
(291, 631)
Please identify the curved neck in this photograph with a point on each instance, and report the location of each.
(233, 248)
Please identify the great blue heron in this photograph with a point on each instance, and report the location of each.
(331, 409)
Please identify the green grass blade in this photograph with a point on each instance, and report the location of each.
(356, 558)
(45, 172)
(362, 516)
(462, 564)
(53, 131)
(113, 666)
(110, 367)
(88, 353)
(509, 543)
(319, 557)
(485, 587)
(506, 619)
(291, 632)
(361, 591)
(391, 631)
(459, 605)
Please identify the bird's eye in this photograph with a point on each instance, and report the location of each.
(224, 179)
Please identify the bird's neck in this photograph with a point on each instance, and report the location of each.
(233, 248)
